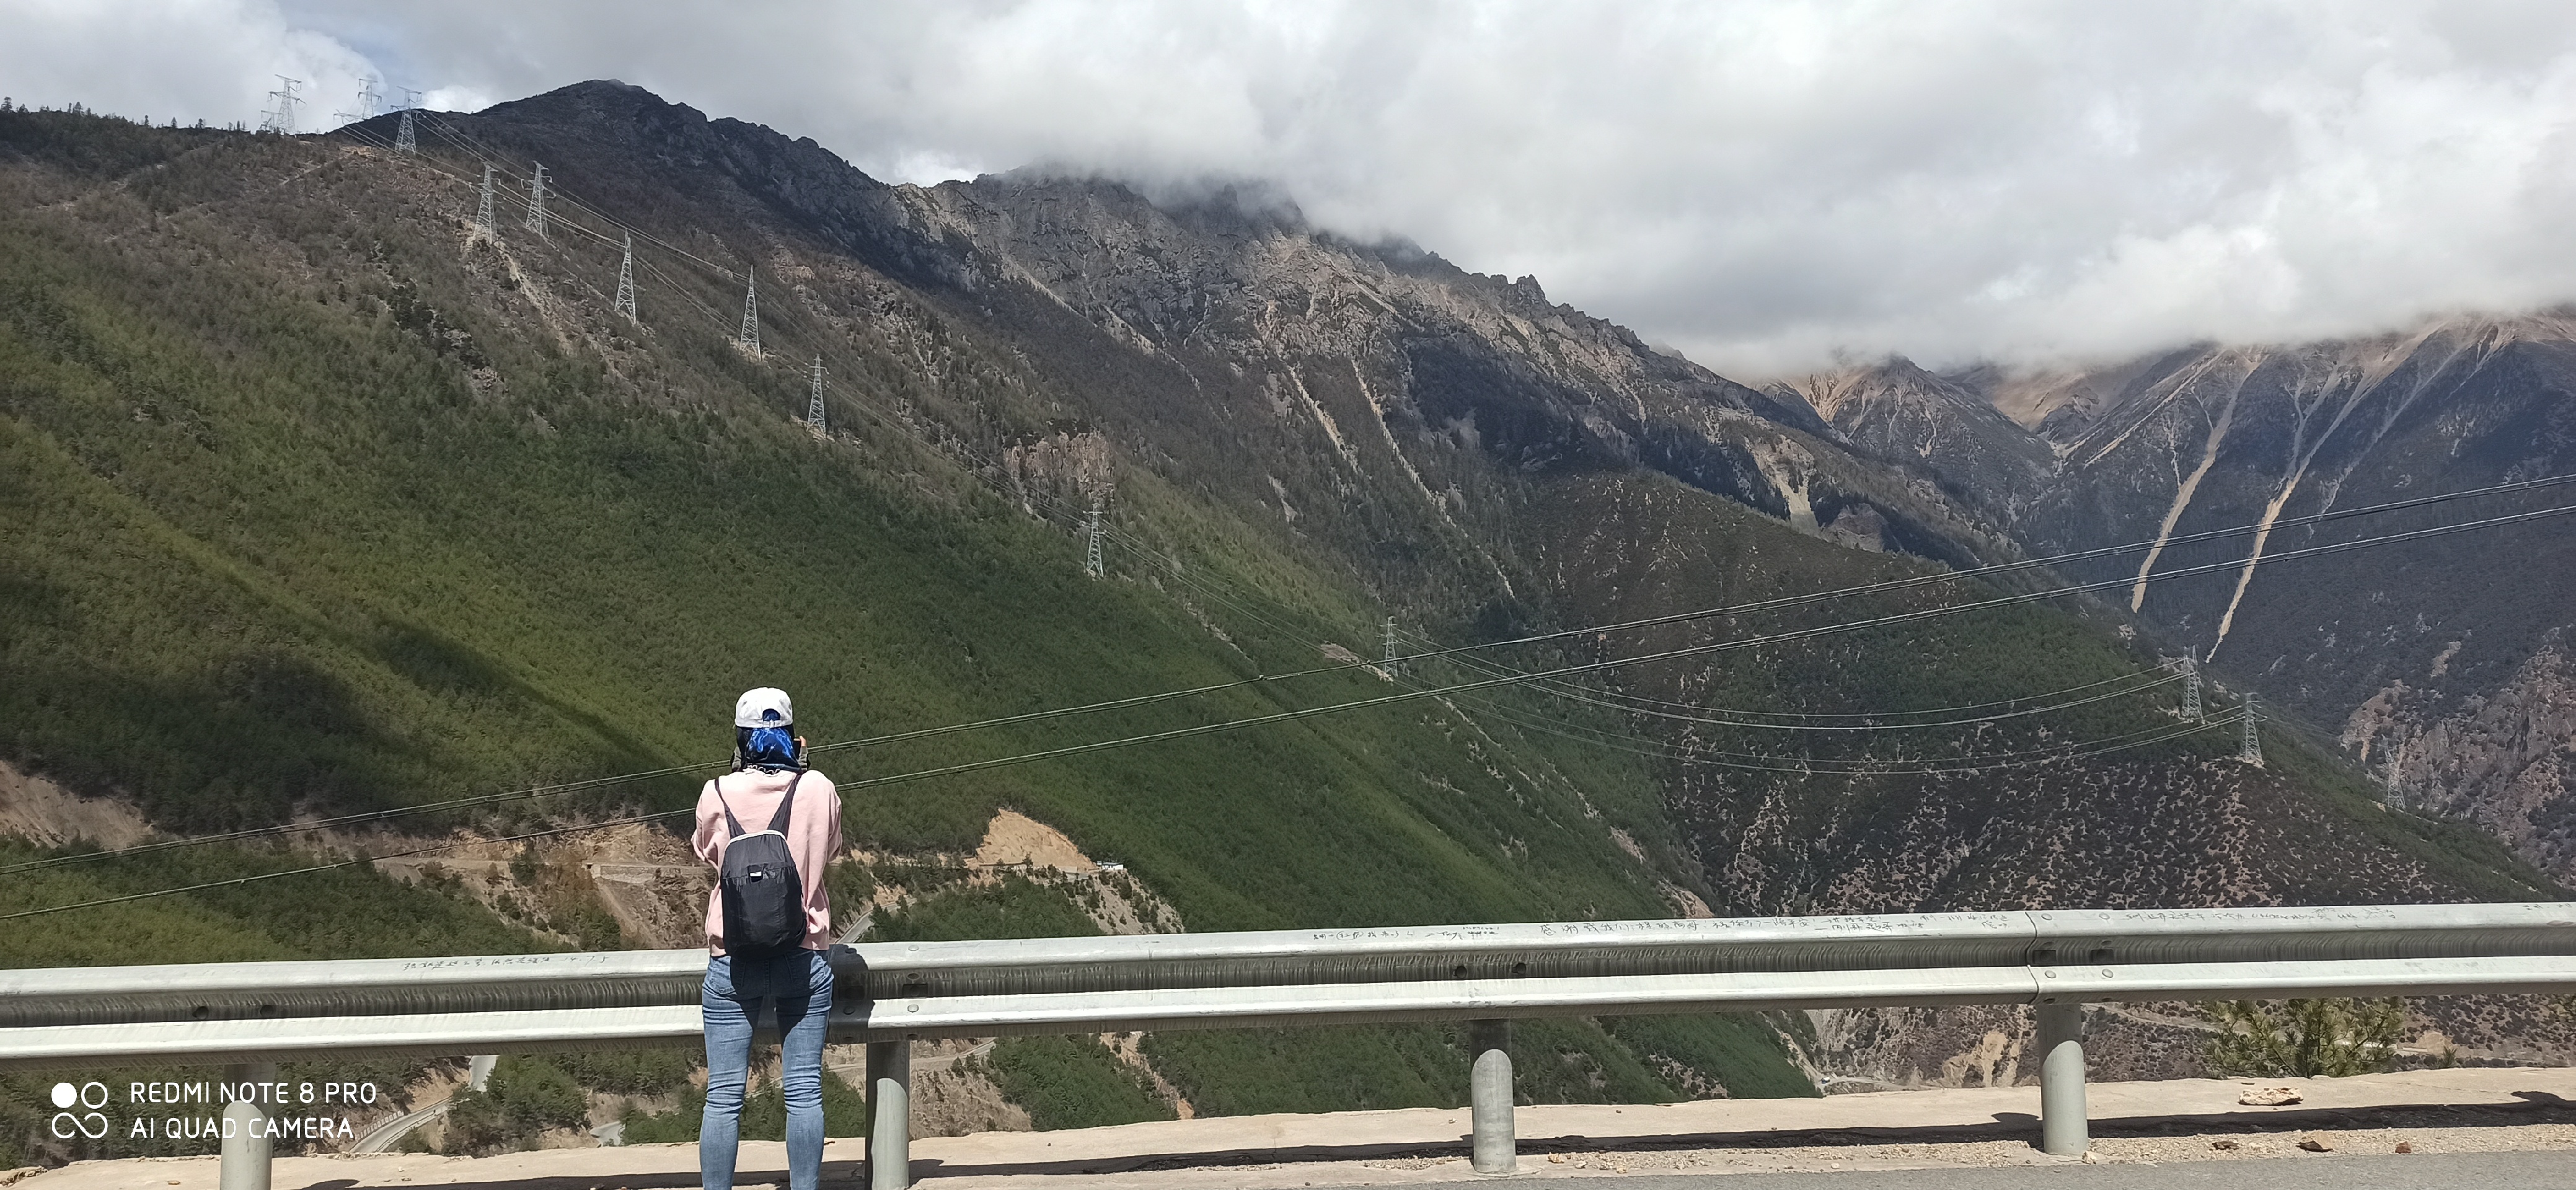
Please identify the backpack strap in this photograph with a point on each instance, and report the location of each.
(778, 821)
(731, 823)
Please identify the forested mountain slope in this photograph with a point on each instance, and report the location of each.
(318, 495)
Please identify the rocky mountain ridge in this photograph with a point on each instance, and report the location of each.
(2437, 665)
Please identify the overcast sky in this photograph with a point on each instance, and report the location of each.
(1763, 185)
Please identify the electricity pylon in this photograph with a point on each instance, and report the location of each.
(281, 119)
(1091, 559)
(405, 140)
(366, 110)
(2251, 749)
(537, 201)
(626, 282)
(814, 409)
(750, 338)
(1390, 644)
(2191, 685)
(483, 213)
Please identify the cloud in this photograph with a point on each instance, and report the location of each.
(1761, 185)
(211, 60)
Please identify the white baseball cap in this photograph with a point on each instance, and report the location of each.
(764, 707)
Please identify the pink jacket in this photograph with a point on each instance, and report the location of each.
(813, 838)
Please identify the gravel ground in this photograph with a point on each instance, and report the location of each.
(2238, 1146)
(2538, 1128)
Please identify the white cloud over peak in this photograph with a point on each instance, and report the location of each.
(1762, 185)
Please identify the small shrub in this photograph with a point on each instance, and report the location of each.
(2304, 1038)
(524, 1097)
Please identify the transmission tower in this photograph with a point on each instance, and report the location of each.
(537, 201)
(483, 213)
(280, 119)
(2191, 685)
(1091, 530)
(1390, 644)
(750, 338)
(366, 109)
(405, 140)
(2251, 749)
(626, 283)
(814, 409)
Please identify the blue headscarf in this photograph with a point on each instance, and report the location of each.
(768, 749)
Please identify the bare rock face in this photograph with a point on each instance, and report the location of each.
(2505, 758)
(1991, 1046)
(2439, 663)
(1907, 416)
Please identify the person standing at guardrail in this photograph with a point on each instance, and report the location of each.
(768, 827)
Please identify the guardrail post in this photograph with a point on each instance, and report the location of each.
(1489, 1096)
(246, 1140)
(2063, 1128)
(889, 1115)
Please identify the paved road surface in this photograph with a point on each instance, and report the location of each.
(381, 1138)
(2472, 1171)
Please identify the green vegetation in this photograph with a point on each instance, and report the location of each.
(851, 886)
(1359, 1068)
(631, 1072)
(1620, 1060)
(2304, 1038)
(1014, 907)
(348, 912)
(1072, 1082)
(523, 1098)
(764, 1113)
(1741, 1054)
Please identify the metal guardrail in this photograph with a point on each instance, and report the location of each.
(353, 987)
(942, 970)
(891, 993)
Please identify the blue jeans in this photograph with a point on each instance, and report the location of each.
(799, 983)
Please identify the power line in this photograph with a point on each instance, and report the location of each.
(1188, 578)
(632, 819)
(346, 863)
(484, 153)
(1140, 700)
(1666, 655)
(1859, 767)
(1413, 695)
(1185, 576)
(2051, 561)
(750, 337)
(371, 817)
(2129, 684)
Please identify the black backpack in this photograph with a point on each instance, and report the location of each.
(764, 898)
